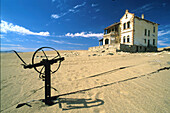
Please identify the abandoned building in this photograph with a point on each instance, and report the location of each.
(131, 34)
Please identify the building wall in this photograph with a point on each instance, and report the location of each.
(138, 41)
(139, 33)
(128, 17)
(113, 36)
(136, 48)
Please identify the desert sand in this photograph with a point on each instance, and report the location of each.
(90, 82)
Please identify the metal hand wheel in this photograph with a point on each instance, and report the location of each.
(46, 53)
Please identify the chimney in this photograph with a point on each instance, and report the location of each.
(142, 16)
(127, 11)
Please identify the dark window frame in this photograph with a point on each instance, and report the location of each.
(126, 15)
(128, 39)
(145, 32)
(153, 29)
(124, 39)
(145, 41)
(128, 24)
(124, 26)
(154, 42)
(148, 32)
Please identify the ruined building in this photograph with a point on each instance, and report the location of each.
(131, 34)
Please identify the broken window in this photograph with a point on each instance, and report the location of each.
(153, 29)
(153, 41)
(145, 41)
(128, 39)
(108, 31)
(126, 15)
(145, 32)
(124, 26)
(128, 24)
(124, 39)
(148, 32)
(116, 28)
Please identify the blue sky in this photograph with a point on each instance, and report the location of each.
(72, 24)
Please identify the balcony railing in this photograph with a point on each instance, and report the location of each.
(111, 33)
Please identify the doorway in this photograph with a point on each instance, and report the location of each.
(107, 41)
(148, 43)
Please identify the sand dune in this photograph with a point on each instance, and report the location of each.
(90, 82)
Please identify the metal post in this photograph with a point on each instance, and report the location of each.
(47, 83)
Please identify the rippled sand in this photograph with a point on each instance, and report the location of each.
(89, 82)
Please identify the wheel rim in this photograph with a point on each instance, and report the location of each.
(34, 57)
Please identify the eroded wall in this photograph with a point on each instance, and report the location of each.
(139, 33)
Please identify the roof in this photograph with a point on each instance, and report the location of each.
(117, 23)
(101, 40)
(146, 20)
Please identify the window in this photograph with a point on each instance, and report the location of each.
(124, 26)
(107, 41)
(148, 32)
(148, 43)
(145, 41)
(153, 29)
(145, 32)
(104, 31)
(126, 16)
(153, 41)
(124, 39)
(128, 39)
(108, 31)
(116, 28)
(128, 24)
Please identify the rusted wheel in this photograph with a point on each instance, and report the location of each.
(46, 53)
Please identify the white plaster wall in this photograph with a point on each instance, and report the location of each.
(139, 33)
(127, 31)
(130, 36)
(125, 20)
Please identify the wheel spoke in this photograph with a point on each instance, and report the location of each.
(41, 72)
(45, 54)
(55, 56)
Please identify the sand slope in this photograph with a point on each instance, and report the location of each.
(100, 83)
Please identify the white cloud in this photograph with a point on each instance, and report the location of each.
(11, 45)
(163, 43)
(163, 32)
(2, 36)
(73, 10)
(6, 27)
(84, 34)
(64, 42)
(143, 8)
(80, 5)
(94, 5)
(55, 16)
(164, 4)
(97, 10)
(17, 48)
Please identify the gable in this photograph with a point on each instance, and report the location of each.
(127, 17)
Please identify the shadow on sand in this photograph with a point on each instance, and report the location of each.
(69, 103)
(73, 103)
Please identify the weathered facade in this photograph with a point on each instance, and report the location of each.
(131, 34)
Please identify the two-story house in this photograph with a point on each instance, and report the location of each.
(131, 34)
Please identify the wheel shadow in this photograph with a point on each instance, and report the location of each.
(74, 103)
